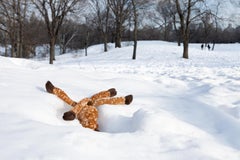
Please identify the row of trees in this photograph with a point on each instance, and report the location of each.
(25, 24)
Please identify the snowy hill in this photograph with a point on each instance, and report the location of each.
(182, 109)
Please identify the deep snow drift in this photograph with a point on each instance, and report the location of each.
(182, 109)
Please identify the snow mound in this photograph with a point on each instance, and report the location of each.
(182, 109)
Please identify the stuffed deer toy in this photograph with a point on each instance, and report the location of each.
(86, 109)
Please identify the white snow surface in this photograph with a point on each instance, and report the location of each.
(182, 109)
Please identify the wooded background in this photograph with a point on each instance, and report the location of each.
(77, 24)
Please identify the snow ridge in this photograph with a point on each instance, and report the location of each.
(182, 109)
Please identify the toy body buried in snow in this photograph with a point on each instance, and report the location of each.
(85, 110)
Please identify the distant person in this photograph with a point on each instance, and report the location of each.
(202, 46)
(208, 46)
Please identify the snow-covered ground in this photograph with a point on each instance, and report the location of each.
(182, 109)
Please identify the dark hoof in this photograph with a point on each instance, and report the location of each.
(128, 99)
(97, 130)
(49, 87)
(68, 116)
(113, 92)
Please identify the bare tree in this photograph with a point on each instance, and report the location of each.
(167, 12)
(187, 11)
(101, 18)
(121, 11)
(7, 24)
(21, 16)
(166, 18)
(54, 12)
(207, 27)
(13, 14)
(216, 19)
(137, 5)
(68, 32)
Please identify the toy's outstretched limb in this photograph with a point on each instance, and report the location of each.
(60, 93)
(104, 94)
(114, 101)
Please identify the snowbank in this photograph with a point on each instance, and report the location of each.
(182, 109)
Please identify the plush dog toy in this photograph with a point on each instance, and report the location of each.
(85, 110)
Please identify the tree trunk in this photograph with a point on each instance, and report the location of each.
(12, 51)
(13, 47)
(179, 42)
(62, 44)
(20, 43)
(64, 49)
(118, 41)
(5, 44)
(52, 50)
(6, 49)
(135, 42)
(118, 35)
(105, 32)
(18, 46)
(105, 43)
(134, 50)
(85, 49)
(20, 31)
(86, 43)
(185, 48)
(135, 30)
(213, 46)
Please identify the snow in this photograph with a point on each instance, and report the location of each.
(182, 109)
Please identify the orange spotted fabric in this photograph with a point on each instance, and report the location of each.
(85, 110)
(62, 95)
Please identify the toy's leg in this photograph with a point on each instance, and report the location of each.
(70, 115)
(104, 94)
(114, 101)
(60, 93)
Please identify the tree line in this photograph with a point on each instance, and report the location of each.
(77, 24)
